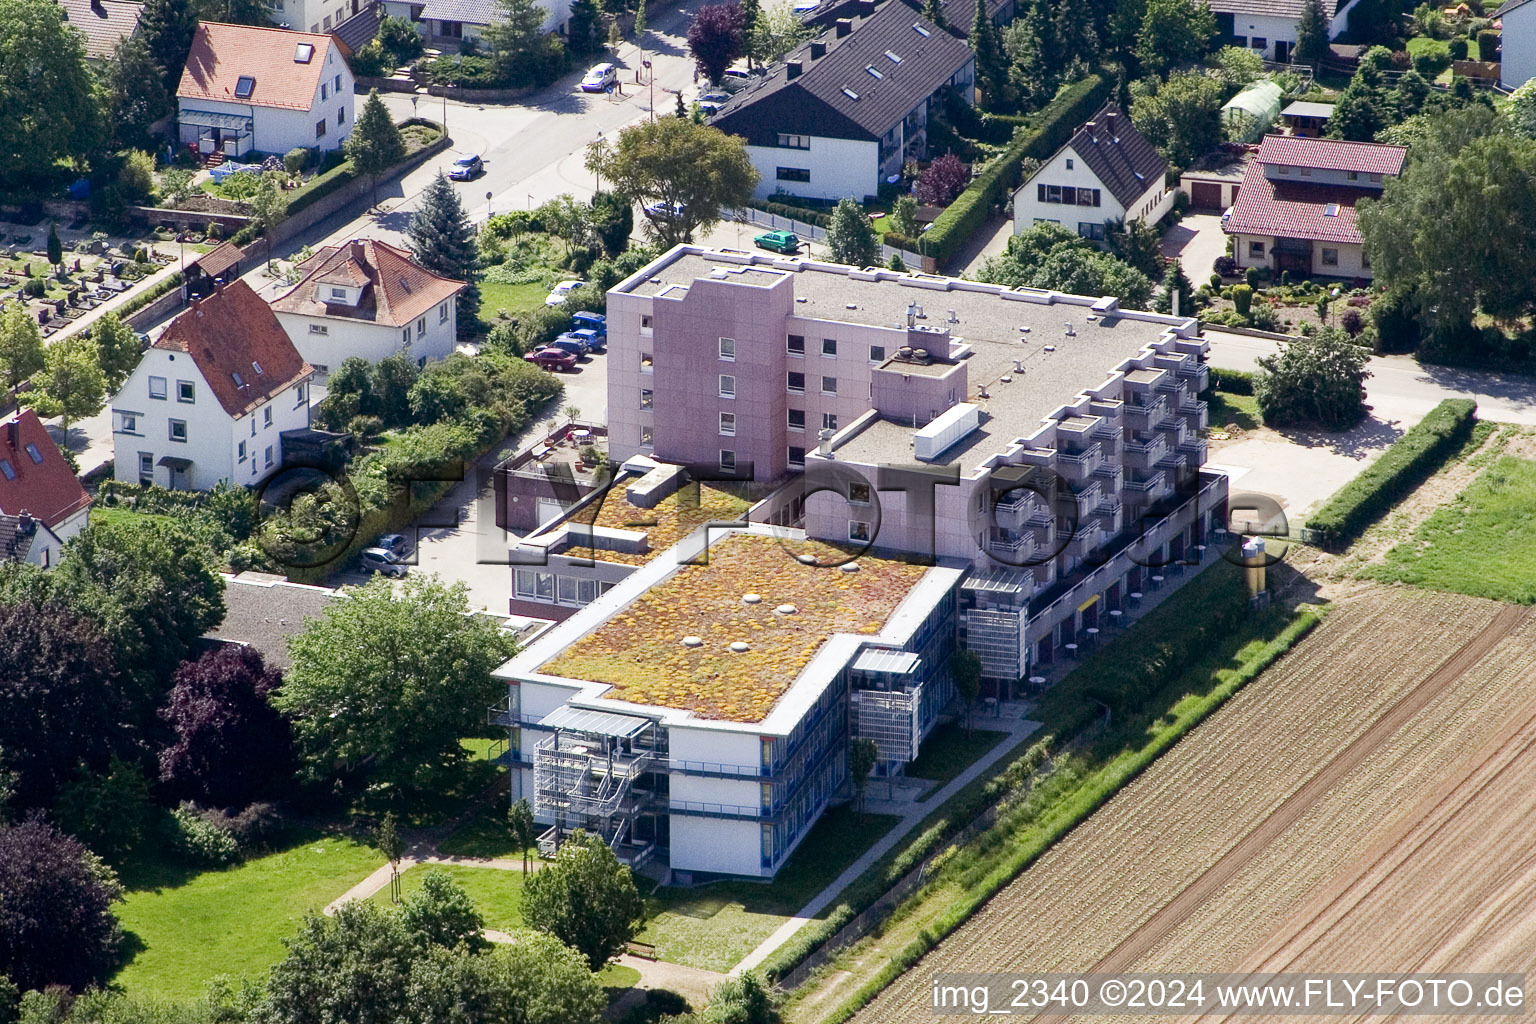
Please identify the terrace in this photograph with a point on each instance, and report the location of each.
(680, 643)
(669, 521)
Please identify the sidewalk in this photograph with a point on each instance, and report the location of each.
(1018, 728)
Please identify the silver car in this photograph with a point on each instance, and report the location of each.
(383, 561)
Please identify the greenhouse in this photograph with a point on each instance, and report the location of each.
(1248, 115)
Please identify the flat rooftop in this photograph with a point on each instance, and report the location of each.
(673, 518)
(639, 651)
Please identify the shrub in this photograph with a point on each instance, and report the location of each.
(200, 841)
(1235, 382)
(1395, 316)
(1488, 44)
(365, 426)
(1242, 298)
(296, 159)
(1313, 381)
(1225, 266)
(35, 287)
(1458, 48)
(1399, 469)
(371, 61)
(1352, 322)
(399, 38)
(1251, 276)
(944, 179)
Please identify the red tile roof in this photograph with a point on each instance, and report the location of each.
(1294, 209)
(221, 54)
(397, 289)
(217, 260)
(48, 489)
(104, 23)
(1332, 154)
(234, 332)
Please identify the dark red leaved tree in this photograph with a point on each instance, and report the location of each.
(944, 179)
(716, 38)
(230, 744)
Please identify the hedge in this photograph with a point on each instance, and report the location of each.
(1400, 469)
(1060, 118)
(1233, 382)
(800, 213)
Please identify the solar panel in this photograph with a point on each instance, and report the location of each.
(244, 87)
(303, 52)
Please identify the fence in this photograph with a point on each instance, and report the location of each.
(773, 222)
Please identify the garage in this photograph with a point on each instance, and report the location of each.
(1205, 195)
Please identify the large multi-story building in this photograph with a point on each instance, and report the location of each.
(1039, 453)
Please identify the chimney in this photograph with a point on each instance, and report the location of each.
(13, 432)
(824, 448)
(844, 26)
(25, 524)
(911, 315)
(866, 8)
(818, 49)
(792, 70)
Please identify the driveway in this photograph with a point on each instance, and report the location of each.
(1196, 241)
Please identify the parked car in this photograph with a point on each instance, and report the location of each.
(587, 319)
(466, 167)
(381, 561)
(713, 100)
(562, 291)
(596, 341)
(666, 211)
(600, 78)
(552, 359)
(737, 77)
(570, 343)
(786, 242)
(394, 543)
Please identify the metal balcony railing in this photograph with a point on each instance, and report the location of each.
(1014, 548)
(1148, 485)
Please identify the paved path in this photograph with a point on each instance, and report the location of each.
(1018, 728)
(117, 302)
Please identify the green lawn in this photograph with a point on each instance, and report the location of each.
(497, 894)
(617, 977)
(484, 835)
(185, 928)
(514, 298)
(948, 751)
(1226, 407)
(713, 926)
(1483, 543)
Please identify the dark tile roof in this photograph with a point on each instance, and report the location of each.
(358, 30)
(470, 12)
(45, 485)
(264, 611)
(1271, 8)
(836, 95)
(1510, 6)
(397, 289)
(104, 23)
(16, 538)
(1118, 155)
(234, 332)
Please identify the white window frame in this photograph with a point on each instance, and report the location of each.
(858, 530)
(828, 385)
(727, 461)
(727, 385)
(170, 430)
(728, 349)
(164, 388)
(186, 392)
(728, 424)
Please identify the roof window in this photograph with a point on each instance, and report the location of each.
(850, 93)
(874, 71)
(239, 380)
(34, 454)
(1331, 210)
(257, 367)
(8, 469)
(244, 86)
(895, 57)
(917, 27)
(303, 53)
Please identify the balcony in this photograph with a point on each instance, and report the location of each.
(1149, 416)
(1111, 439)
(1145, 453)
(1112, 475)
(1150, 486)
(1199, 415)
(1198, 377)
(1090, 496)
(1011, 547)
(1176, 431)
(1195, 449)
(1080, 465)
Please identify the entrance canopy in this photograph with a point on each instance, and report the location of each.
(594, 723)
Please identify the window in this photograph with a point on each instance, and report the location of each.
(1049, 193)
(829, 346)
(1069, 163)
(646, 323)
(796, 383)
(538, 585)
(728, 348)
(405, 336)
(577, 591)
(1283, 169)
(858, 494)
(829, 385)
(266, 416)
(319, 329)
(794, 141)
(269, 455)
(1259, 43)
(1068, 194)
(298, 395)
(240, 450)
(337, 84)
(796, 345)
(829, 421)
(178, 430)
(1256, 250)
(1330, 257)
(1087, 197)
(127, 423)
(1353, 175)
(146, 468)
(797, 419)
(793, 174)
(244, 86)
(1306, 172)
(727, 461)
(645, 362)
(858, 530)
(325, 90)
(157, 387)
(877, 353)
(728, 424)
(442, 313)
(727, 386)
(320, 127)
(647, 440)
(185, 391)
(303, 53)
(326, 21)
(1093, 229)
(647, 398)
(341, 116)
(796, 456)
(339, 293)
(421, 326)
(7, 469)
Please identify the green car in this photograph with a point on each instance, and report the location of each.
(786, 242)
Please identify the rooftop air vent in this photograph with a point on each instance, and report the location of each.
(740, 647)
(1071, 331)
(849, 567)
(786, 609)
(751, 598)
(693, 641)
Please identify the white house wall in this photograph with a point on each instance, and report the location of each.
(342, 338)
(839, 168)
(731, 847)
(1519, 47)
(1269, 27)
(310, 15)
(1027, 208)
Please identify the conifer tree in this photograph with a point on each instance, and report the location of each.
(443, 241)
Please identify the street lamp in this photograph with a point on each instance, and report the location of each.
(487, 205)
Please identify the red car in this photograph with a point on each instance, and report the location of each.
(552, 359)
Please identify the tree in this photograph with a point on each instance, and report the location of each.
(55, 247)
(521, 828)
(167, 27)
(1174, 33)
(1137, 244)
(1183, 117)
(744, 999)
(375, 144)
(991, 62)
(943, 180)
(672, 164)
(229, 745)
(904, 217)
(1176, 283)
(1313, 381)
(534, 979)
(1050, 256)
(136, 93)
(586, 899)
(933, 10)
(1311, 35)
(715, 38)
(751, 13)
(862, 755)
(1356, 116)
(71, 383)
(441, 913)
(48, 95)
(443, 241)
(268, 207)
(640, 24)
(56, 921)
(850, 238)
(21, 344)
(965, 666)
(1521, 109)
(117, 348)
(108, 812)
(386, 839)
(515, 35)
(779, 30)
(60, 704)
(385, 683)
(355, 966)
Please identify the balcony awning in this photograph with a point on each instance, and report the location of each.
(175, 462)
(594, 723)
(879, 659)
(216, 119)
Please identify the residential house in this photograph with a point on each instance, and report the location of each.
(263, 90)
(368, 299)
(103, 23)
(1268, 27)
(1065, 432)
(265, 611)
(212, 397)
(318, 16)
(1517, 43)
(454, 22)
(42, 504)
(1295, 210)
(1107, 171)
(847, 110)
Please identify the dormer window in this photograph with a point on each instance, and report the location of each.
(338, 295)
